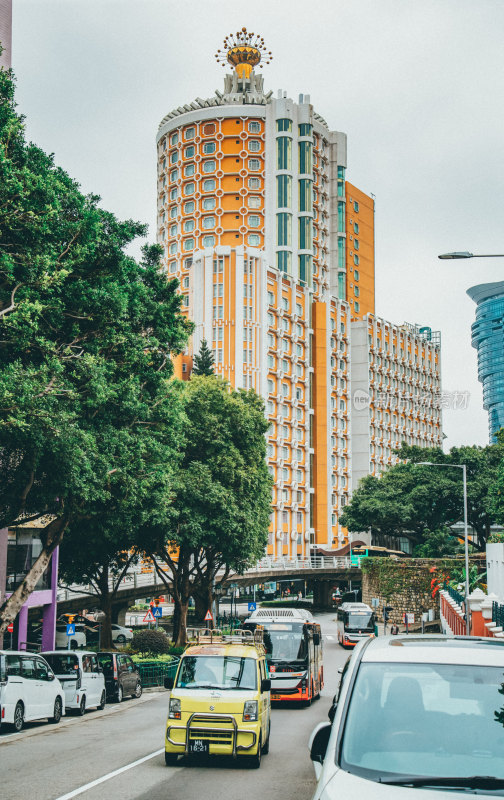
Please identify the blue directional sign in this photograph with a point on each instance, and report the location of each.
(157, 611)
(252, 606)
(71, 629)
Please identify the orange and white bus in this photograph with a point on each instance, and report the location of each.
(294, 656)
(356, 621)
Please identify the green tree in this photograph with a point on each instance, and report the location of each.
(222, 496)
(437, 544)
(87, 419)
(411, 499)
(203, 362)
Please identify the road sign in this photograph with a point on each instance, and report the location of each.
(10, 628)
(375, 602)
(208, 616)
(157, 611)
(252, 606)
(71, 629)
(409, 619)
(148, 617)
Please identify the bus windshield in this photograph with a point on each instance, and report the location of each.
(359, 621)
(285, 641)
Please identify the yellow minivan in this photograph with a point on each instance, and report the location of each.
(220, 698)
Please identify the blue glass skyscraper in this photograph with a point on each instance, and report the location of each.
(488, 339)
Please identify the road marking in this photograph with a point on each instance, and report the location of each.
(110, 775)
(329, 638)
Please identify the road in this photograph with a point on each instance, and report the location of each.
(76, 757)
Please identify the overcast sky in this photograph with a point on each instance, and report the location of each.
(417, 85)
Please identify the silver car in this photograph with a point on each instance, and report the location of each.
(415, 712)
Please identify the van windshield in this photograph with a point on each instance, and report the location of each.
(217, 672)
(62, 663)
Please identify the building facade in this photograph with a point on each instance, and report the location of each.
(274, 251)
(6, 33)
(488, 340)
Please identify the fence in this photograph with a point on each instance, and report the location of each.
(153, 673)
(498, 614)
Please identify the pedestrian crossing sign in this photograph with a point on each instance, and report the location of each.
(71, 629)
(157, 611)
(148, 617)
(208, 616)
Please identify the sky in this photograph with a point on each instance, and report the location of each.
(417, 86)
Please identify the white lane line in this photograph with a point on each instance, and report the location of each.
(329, 638)
(110, 775)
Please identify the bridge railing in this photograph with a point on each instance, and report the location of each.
(146, 577)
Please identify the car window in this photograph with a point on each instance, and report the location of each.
(106, 660)
(63, 663)
(41, 670)
(86, 664)
(94, 663)
(28, 668)
(13, 666)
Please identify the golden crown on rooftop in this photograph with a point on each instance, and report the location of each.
(244, 51)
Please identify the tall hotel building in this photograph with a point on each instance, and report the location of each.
(274, 251)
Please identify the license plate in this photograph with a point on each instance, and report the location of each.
(199, 746)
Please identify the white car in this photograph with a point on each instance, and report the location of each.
(77, 639)
(82, 678)
(121, 635)
(415, 712)
(29, 689)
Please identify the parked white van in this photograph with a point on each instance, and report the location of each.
(81, 677)
(29, 689)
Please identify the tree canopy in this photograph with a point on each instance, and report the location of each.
(410, 499)
(88, 417)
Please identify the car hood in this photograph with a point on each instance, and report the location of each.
(223, 701)
(344, 784)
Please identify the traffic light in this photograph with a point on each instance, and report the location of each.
(386, 615)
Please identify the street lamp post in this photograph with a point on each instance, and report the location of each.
(465, 254)
(463, 467)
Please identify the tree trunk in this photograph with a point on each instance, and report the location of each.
(182, 631)
(176, 618)
(11, 607)
(106, 642)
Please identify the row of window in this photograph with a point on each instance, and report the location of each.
(208, 128)
(285, 124)
(208, 185)
(253, 221)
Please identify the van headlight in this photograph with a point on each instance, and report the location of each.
(174, 708)
(250, 711)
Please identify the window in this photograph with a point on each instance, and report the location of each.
(173, 230)
(208, 129)
(254, 127)
(174, 139)
(356, 244)
(284, 152)
(208, 241)
(190, 151)
(284, 230)
(356, 291)
(254, 145)
(285, 303)
(254, 183)
(188, 225)
(356, 227)
(356, 205)
(341, 217)
(174, 157)
(208, 222)
(254, 239)
(305, 195)
(284, 261)
(299, 309)
(305, 129)
(172, 267)
(173, 212)
(284, 124)
(189, 188)
(208, 203)
(188, 244)
(173, 193)
(254, 202)
(209, 185)
(305, 268)
(305, 233)
(173, 248)
(284, 191)
(174, 175)
(356, 306)
(189, 170)
(189, 133)
(254, 163)
(356, 259)
(254, 220)
(305, 157)
(208, 166)
(209, 147)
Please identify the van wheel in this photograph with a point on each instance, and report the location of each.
(18, 718)
(58, 710)
(254, 762)
(103, 699)
(265, 749)
(119, 696)
(82, 707)
(138, 689)
(171, 759)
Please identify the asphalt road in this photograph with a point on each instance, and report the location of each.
(118, 753)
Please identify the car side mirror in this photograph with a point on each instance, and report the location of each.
(168, 683)
(332, 711)
(265, 685)
(50, 676)
(319, 744)
(316, 638)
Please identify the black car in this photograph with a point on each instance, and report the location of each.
(122, 677)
